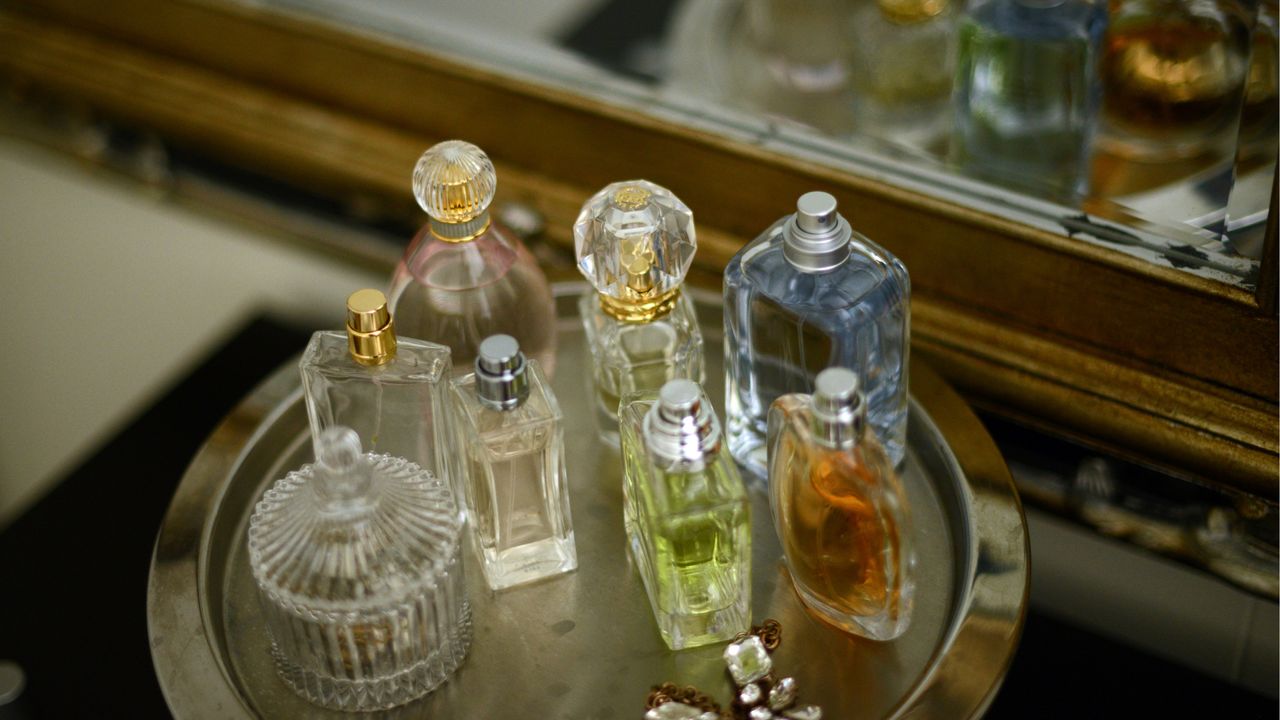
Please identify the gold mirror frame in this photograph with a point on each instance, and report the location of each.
(1149, 363)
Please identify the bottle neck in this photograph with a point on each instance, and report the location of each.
(460, 232)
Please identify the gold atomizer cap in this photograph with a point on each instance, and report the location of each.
(371, 334)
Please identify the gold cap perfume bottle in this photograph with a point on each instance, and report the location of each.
(454, 182)
(635, 241)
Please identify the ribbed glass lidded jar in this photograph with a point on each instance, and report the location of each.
(358, 565)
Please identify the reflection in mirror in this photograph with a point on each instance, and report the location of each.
(1148, 126)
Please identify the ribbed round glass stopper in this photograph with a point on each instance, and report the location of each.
(634, 242)
(454, 182)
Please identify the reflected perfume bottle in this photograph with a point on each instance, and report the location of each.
(513, 475)
(1260, 119)
(359, 571)
(466, 277)
(391, 391)
(635, 241)
(808, 294)
(687, 516)
(840, 510)
(902, 70)
(1026, 93)
(1173, 78)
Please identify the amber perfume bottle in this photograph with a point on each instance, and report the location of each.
(635, 241)
(514, 477)
(1173, 78)
(840, 510)
(466, 277)
(393, 392)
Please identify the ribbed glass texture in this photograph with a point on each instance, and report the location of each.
(783, 326)
(689, 532)
(360, 576)
(634, 240)
(454, 181)
(515, 483)
(843, 520)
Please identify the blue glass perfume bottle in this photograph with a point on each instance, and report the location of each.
(1026, 93)
(808, 294)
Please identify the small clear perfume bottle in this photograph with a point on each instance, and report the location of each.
(808, 294)
(358, 564)
(391, 391)
(1173, 78)
(687, 516)
(1026, 93)
(903, 60)
(635, 241)
(466, 277)
(840, 510)
(513, 475)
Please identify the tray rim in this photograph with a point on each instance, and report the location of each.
(179, 622)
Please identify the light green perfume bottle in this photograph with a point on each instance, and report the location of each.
(687, 517)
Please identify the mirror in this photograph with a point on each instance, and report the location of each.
(1146, 126)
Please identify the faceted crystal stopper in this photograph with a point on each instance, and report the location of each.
(454, 182)
(635, 241)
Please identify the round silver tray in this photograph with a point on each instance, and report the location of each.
(584, 645)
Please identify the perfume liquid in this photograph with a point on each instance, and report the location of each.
(515, 480)
(810, 293)
(686, 516)
(466, 277)
(1026, 93)
(840, 510)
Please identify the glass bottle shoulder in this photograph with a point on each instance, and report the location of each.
(677, 489)
(416, 361)
(620, 342)
(761, 268)
(860, 470)
(1029, 20)
(539, 409)
(465, 265)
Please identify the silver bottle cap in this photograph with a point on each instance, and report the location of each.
(839, 411)
(501, 382)
(816, 238)
(680, 428)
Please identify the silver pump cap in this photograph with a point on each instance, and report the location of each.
(681, 429)
(839, 411)
(501, 382)
(816, 238)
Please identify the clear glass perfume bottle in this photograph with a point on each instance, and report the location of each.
(359, 570)
(1026, 93)
(1173, 78)
(466, 277)
(1260, 118)
(840, 510)
(635, 241)
(810, 293)
(513, 476)
(903, 60)
(391, 391)
(687, 516)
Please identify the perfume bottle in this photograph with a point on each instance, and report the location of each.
(810, 293)
(840, 510)
(513, 475)
(1173, 78)
(359, 571)
(687, 517)
(1026, 93)
(391, 391)
(635, 241)
(1259, 119)
(903, 60)
(466, 277)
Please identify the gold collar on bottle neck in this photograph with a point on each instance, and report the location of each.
(637, 308)
(371, 333)
(459, 232)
